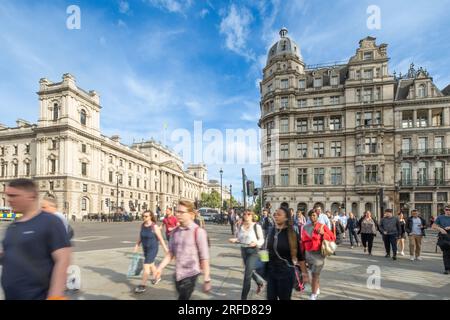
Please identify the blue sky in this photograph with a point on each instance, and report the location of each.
(180, 61)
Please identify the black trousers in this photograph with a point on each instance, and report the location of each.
(232, 227)
(390, 240)
(446, 257)
(185, 287)
(367, 240)
(280, 282)
(250, 257)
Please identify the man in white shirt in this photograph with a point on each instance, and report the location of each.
(49, 204)
(415, 227)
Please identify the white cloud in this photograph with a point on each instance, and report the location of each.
(121, 24)
(235, 26)
(174, 6)
(124, 6)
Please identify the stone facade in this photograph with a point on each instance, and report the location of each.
(87, 172)
(336, 135)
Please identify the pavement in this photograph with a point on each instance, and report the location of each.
(103, 251)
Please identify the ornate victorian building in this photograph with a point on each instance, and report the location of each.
(336, 135)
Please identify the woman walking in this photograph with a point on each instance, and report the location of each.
(150, 236)
(402, 236)
(352, 227)
(368, 229)
(313, 235)
(250, 236)
(284, 254)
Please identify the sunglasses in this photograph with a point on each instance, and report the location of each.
(146, 216)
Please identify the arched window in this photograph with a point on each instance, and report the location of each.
(439, 172)
(355, 209)
(335, 207)
(83, 117)
(422, 91)
(319, 204)
(368, 207)
(55, 112)
(84, 204)
(422, 174)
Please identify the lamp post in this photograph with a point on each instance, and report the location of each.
(117, 192)
(231, 195)
(221, 201)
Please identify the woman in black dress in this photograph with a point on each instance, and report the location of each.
(402, 237)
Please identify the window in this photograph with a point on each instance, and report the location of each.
(319, 174)
(439, 172)
(15, 169)
(358, 119)
(335, 123)
(367, 119)
(377, 117)
(358, 95)
(318, 124)
(2, 151)
(145, 184)
(130, 180)
(284, 177)
(377, 72)
(131, 195)
(317, 82)
(437, 119)
(302, 125)
(371, 145)
(318, 102)
(359, 174)
(335, 148)
(377, 94)
(52, 165)
(302, 150)
(138, 182)
(16, 150)
(110, 159)
(319, 150)
(27, 148)
(302, 177)
(110, 177)
(54, 144)
(442, 196)
(85, 187)
(406, 173)
(423, 196)
(406, 145)
(421, 92)
(84, 169)
(423, 144)
(83, 148)
(422, 174)
(334, 80)
(271, 106)
(371, 174)
(83, 117)
(269, 88)
(284, 83)
(334, 100)
(368, 95)
(301, 103)
(284, 151)
(358, 74)
(336, 176)
(269, 150)
(129, 166)
(4, 170)
(122, 194)
(407, 119)
(27, 169)
(438, 143)
(284, 103)
(422, 118)
(368, 74)
(368, 55)
(55, 112)
(284, 125)
(84, 204)
(302, 84)
(51, 185)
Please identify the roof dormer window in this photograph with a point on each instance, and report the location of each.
(368, 55)
(317, 82)
(422, 92)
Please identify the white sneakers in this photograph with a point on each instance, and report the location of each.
(402, 253)
(412, 258)
(313, 297)
(419, 258)
(318, 291)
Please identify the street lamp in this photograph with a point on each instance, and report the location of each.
(117, 192)
(221, 201)
(231, 195)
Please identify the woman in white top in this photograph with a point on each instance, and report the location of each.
(251, 238)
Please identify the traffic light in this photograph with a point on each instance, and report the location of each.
(250, 188)
(256, 192)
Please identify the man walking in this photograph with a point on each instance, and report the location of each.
(189, 247)
(390, 229)
(415, 228)
(36, 248)
(232, 218)
(442, 224)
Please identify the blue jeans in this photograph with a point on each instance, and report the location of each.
(352, 234)
(250, 257)
(390, 240)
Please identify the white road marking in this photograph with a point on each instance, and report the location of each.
(128, 242)
(90, 238)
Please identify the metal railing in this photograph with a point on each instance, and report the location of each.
(423, 183)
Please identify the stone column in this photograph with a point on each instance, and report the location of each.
(430, 117)
(415, 118)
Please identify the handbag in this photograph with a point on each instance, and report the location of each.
(328, 248)
(136, 265)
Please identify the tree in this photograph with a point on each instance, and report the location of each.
(211, 200)
(257, 206)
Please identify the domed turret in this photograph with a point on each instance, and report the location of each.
(284, 46)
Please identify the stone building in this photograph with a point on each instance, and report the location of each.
(87, 172)
(336, 135)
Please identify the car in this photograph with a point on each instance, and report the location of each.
(208, 214)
